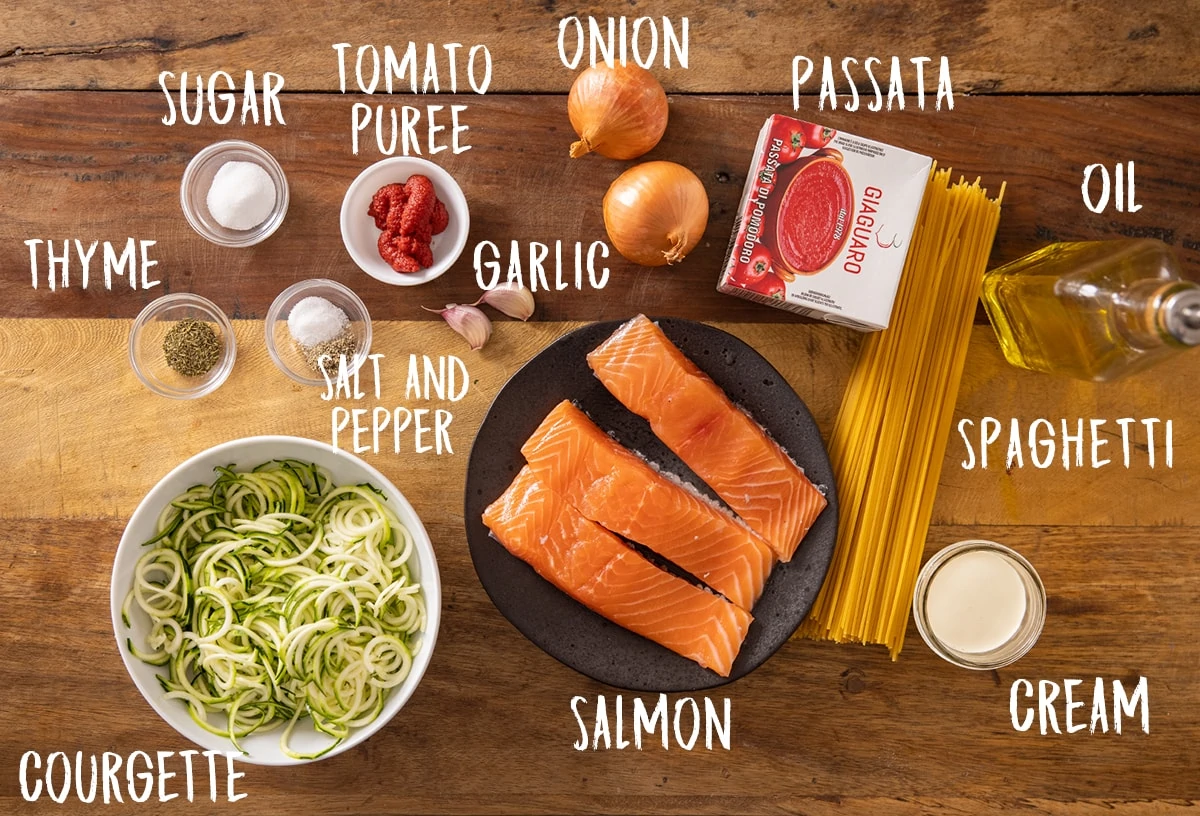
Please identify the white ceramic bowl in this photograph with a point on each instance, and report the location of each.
(361, 236)
(263, 749)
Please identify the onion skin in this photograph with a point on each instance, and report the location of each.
(618, 112)
(656, 212)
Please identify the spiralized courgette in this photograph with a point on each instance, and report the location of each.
(275, 596)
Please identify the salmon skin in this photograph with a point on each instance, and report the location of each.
(596, 568)
(722, 444)
(619, 490)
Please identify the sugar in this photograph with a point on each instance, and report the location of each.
(242, 195)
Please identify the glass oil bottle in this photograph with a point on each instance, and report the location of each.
(1097, 310)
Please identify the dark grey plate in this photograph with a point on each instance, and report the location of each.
(571, 632)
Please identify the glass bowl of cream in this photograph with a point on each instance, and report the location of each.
(979, 604)
(234, 193)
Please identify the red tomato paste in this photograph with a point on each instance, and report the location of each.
(409, 215)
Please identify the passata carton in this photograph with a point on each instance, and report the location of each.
(825, 223)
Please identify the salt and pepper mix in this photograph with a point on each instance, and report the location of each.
(321, 330)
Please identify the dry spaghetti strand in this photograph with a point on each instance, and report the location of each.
(891, 431)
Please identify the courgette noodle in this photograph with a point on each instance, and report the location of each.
(274, 597)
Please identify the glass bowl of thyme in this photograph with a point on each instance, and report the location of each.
(312, 326)
(181, 346)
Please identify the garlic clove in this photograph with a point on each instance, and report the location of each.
(509, 298)
(469, 321)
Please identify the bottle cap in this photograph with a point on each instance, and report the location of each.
(1181, 315)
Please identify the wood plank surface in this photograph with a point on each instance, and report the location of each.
(1042, 89)
(75, 406)
(1013, 46)
(817, 725)
(117, 174)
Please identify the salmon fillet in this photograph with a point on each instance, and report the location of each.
(716, 439)
(619, 490)
(596, 568)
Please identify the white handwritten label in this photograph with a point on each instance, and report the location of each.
(404, 129)
(1150, 440)
(437, 127)
(1024, 706)
(1123, 195)
(617, 40)
(220, 92)
(658, 723)
(128, 262)
(802, 71)
(534, 268)
(401, 428)
(92, 779)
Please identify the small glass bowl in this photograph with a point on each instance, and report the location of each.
(146, 346)
(198, 177)
(1027, 631)
(286, 353)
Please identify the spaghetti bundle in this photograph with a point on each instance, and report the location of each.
(891, 431)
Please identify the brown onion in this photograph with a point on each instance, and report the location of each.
(619, 112)
(656, 212)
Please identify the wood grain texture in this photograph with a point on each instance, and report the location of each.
(490, 728)
(1014, 46)
(1042, 89)
(101, 167)
(93, 440)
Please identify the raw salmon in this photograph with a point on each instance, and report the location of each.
(619, 490)
(720, 442)
(600, 571)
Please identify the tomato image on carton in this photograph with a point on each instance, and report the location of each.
(825, 223)
(811, 223)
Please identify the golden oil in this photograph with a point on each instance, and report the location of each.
(1097, 310)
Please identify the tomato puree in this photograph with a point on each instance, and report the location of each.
(814, 217)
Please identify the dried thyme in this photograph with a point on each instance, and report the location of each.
(192, 347)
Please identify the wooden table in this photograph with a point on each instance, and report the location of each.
(1042, 89)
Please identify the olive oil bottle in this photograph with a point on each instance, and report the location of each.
(1096, 310)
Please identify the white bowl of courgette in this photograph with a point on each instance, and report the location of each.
(274, 596)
